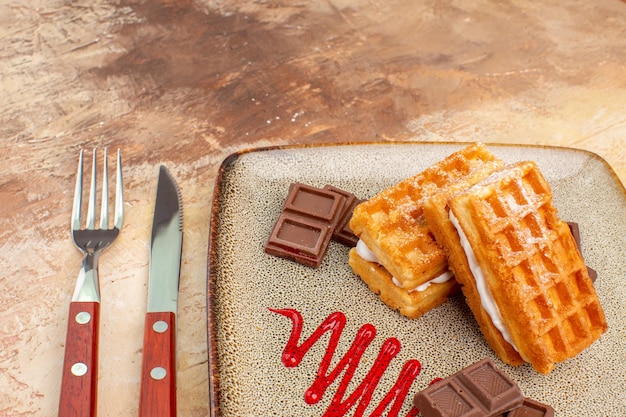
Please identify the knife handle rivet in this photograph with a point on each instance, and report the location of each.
(83, 317)
(158, 373)
(159, 326)
(79, 369)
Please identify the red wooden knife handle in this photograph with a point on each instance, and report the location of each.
(79, 386)
(158, 369)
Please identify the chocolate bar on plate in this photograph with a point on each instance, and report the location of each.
(306, 224)
(480, 390)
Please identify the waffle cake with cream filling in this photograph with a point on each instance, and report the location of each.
(404, 264)
(521, 272)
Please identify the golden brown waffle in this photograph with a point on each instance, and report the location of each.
(436, 213)
(392, 224)
(410, 304)
(531, 265)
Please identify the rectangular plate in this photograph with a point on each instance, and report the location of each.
(246, 339)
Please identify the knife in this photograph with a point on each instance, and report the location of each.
(158, 369)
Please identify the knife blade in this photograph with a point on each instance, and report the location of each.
(158, 370)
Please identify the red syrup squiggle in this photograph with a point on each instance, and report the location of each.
(334, 323)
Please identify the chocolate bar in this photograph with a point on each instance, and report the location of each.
(306, 224)
(480, 390)
(573, 227)
(532, 408)
(343, 234)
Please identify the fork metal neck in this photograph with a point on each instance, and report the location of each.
(88, 285)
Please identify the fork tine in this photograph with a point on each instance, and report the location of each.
(104, 203)
(119, 194)
(91, 208)
(78, 194)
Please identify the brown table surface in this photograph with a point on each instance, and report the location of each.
(187, 83)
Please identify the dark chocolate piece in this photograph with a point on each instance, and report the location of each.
(532, 408)
(573, 227)
(303, 230)
(480, 390)
(592, 274)
(343, 234)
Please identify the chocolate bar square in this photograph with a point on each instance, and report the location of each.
(314, 203)
(532, 408)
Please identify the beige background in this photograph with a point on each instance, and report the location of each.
(186, 83)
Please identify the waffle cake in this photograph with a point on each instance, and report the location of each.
(403, 256)
(527, 281)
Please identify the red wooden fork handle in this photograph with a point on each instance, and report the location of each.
(79, 385)
(158, 369)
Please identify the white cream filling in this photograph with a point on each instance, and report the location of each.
(364, 252)
(445, 277)
(486, 297)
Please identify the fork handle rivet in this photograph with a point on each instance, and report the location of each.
(79, 369)
(159, 326)
(83, 317)
(158, 373)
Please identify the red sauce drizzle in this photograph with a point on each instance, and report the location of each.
(434, 381)
(334, 323)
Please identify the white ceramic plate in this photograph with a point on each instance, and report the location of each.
(246, 339)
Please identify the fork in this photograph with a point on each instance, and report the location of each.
(80, 368)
